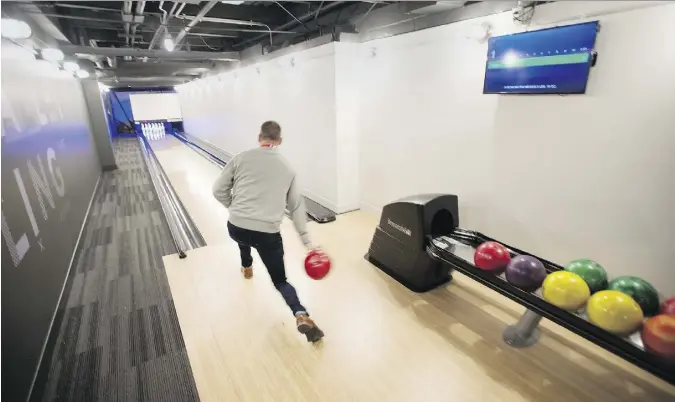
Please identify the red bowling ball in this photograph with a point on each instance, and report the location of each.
(317, 264)
(492, 257)
(668, 306)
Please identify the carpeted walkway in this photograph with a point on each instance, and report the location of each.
(120, 339)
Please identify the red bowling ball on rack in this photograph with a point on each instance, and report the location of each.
(492, 257)
(668, 306)
(317, 264)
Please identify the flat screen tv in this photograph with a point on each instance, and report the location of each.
(549, 61)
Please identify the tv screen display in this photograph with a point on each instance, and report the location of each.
(548, 61)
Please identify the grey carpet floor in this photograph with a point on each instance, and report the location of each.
(120, 339)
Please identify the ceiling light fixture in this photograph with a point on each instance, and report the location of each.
(169, 45)
(82, 74)
(52, 54)
(15, 29)
(234, 3)
(71, 66)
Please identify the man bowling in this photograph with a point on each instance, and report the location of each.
(257, 186)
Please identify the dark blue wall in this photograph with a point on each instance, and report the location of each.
(49, 171)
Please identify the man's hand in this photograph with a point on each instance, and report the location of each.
(312, 247)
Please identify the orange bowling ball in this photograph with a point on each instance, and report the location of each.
(658, 335)
(317, 264)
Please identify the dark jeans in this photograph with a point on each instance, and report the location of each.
(271, 251)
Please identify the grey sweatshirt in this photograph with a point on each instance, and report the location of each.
(257, 186)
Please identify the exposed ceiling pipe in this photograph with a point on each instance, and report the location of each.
(180, 9)
(140, 7)
(195, 21)
(234, 22)
(82, 7)
(77, 17)
(173, 8)
(97, 61)
(162, 29)
(228, 21)
(159, 54)
(222, 20)
(293, 16)
(289, 24)
(126, 13)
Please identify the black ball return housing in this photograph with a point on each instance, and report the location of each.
(418, 242)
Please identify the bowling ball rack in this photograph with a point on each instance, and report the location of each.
(419, 243)
(526, 333)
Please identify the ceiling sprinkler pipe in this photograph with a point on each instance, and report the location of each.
(195, 21)
(140, 7)
(305, 17)
(126, 10)
(158, 54)
(162, 27)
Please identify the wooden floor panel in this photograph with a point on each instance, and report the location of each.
(383, 342)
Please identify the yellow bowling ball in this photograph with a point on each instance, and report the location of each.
(566, 290)
(614, 312)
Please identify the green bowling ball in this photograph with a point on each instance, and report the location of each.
(640, 290)
(591, 272)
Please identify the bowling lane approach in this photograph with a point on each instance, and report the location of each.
(383, 342)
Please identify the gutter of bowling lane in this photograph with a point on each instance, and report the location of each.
(183, 230)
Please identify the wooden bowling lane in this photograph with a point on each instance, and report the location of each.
(383, 342)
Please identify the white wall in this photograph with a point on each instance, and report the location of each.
(347, 106)
(560, 176)
(228, 110)
(301, 92)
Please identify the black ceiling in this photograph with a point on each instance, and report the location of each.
(100, 23)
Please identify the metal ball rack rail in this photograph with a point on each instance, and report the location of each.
(418, 242)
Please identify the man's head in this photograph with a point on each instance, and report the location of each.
(270, 133)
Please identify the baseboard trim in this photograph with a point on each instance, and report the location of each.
(37, 387)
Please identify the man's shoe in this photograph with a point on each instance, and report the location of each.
(307, 327)
(248, 272)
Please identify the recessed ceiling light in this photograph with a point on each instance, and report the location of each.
(71, 66)
(52, 54)
(15, 29)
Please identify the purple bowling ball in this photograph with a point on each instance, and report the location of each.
(526, 273)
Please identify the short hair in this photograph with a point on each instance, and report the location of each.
(271, 131)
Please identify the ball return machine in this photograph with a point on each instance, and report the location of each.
(419, 243)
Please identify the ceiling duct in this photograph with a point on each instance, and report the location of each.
(438, 7)
(158, 54)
